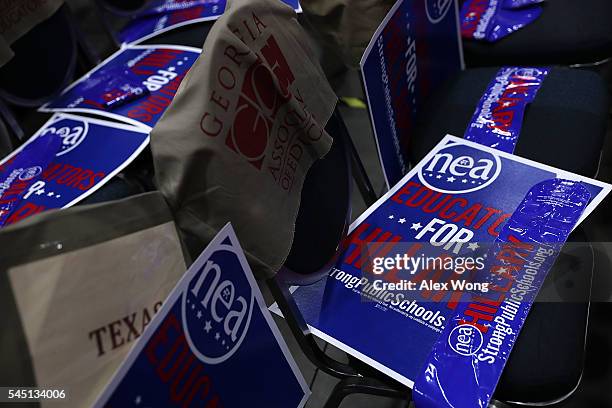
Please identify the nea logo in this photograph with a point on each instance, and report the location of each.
(217, 307)
(458, 168)
(437, 9)
(72, 132)
(465, 339)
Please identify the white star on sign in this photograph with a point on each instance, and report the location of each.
(451, 179)
(39, 192)
(50, 194)
(199, 315)
(207, 326)
(217, 336)
(391, 217)
(416, 226)
(502, 270)
(464, 181)
(439, 176)
(401, 220)
(473, 246)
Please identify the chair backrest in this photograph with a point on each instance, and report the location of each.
(52, 45)
(324, 214)
(321, 225)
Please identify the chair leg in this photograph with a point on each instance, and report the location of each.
(361, 176)
(106, 25)
(365, 385)
(11, 121)
(89, 56)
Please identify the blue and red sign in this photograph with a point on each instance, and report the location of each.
(69, 158)
(449, 206)
(166, 15)
(416, 48)
(134, 85)
(212, 344)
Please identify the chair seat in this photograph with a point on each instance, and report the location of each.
(567, 32)
(564, 127)
(546, 363)
(44, 62)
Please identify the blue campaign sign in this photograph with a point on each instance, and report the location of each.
(166, 15)
(213, 344)
(449, 206)
(414, 50)
(68, 159)
(134, 85)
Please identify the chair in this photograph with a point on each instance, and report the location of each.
(327, 190)
(55, 44)
(557, 323)
(568, 32)
(547, 363)
(564, 127)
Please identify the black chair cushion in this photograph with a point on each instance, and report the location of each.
(324, 210)
(547, 360)
(564, 126)
(567, 32)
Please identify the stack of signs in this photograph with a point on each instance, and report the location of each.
(414, 50)
(455, 200)
(134, 85)
(213, 343)
(166, 15)
(89, 152)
